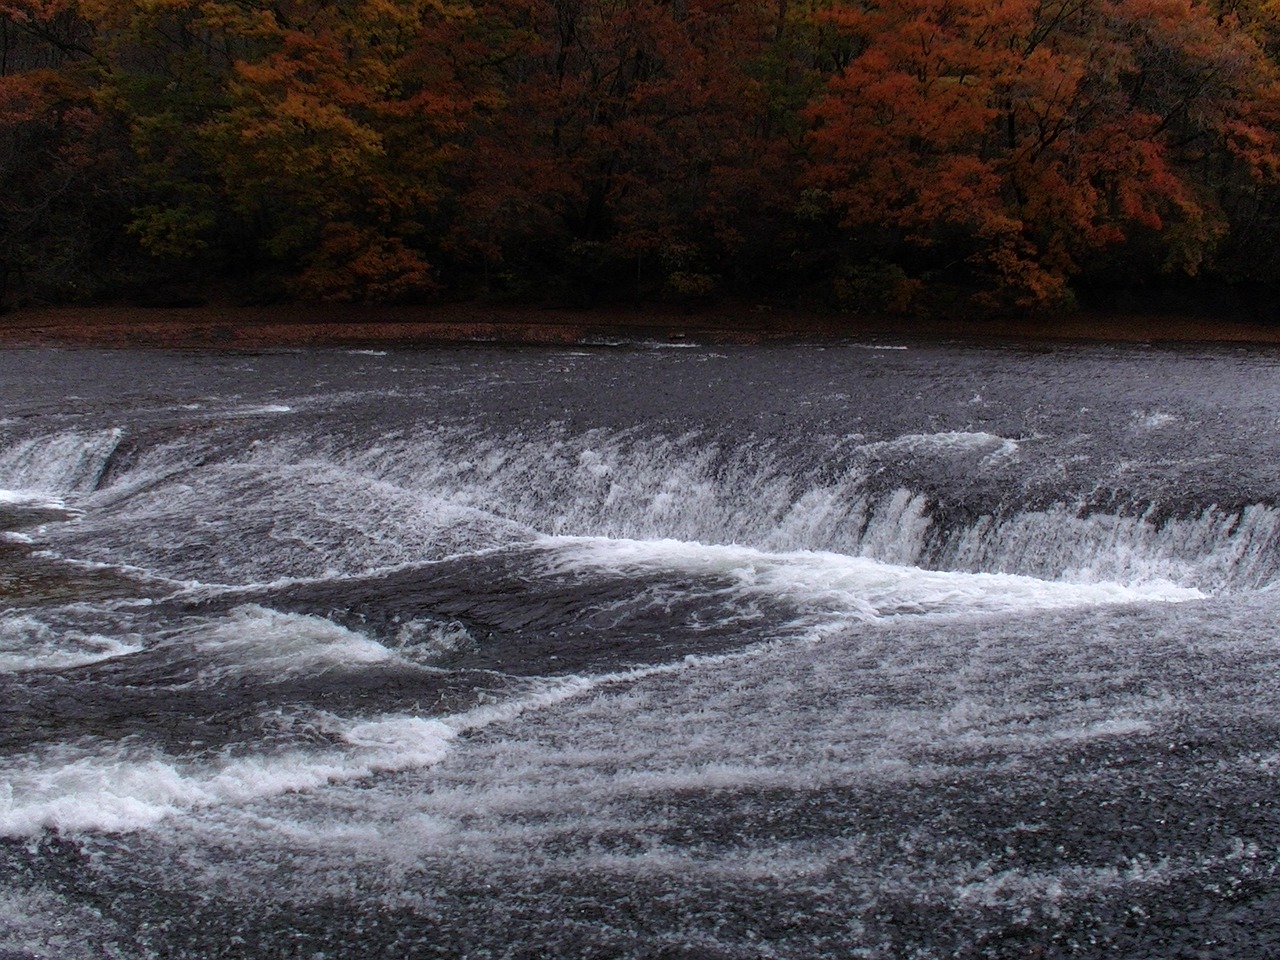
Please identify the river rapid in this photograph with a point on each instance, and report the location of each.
(881, 649)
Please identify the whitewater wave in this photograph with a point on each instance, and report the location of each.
(255, 640)
(28, 642)
(74, 788)
(31, 499)
(833, 588)
(122, 787)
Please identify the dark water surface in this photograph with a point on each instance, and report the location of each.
(878, 650)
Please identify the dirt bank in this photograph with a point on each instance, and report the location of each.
(362, 326)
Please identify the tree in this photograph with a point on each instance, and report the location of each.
(1024, 138)
(59, 160)
(626, 142)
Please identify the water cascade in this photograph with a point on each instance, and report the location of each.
(640, 652)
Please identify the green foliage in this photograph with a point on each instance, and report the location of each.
(171, 233)
(875, 288)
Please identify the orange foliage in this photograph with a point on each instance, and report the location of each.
(375, 149)
(628, 130)
(1039, 134)
(358, 263)
(331, 136)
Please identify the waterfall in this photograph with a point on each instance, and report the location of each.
(70, 462)
(307, 504)
(695, 653)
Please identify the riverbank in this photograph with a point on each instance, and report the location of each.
(298, 325)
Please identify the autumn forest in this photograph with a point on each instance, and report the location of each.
(887, 156)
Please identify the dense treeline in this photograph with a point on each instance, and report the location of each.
(875, 155)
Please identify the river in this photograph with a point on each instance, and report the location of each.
(881, 649)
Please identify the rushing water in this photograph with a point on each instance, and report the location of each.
(869, 651)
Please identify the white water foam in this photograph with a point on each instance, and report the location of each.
(832, 588)
(426, 639)
(87, 787)
(258, 641)
(29, 643)
(76, 788)
(1149, 420)
(32, 499)
(605, 781)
